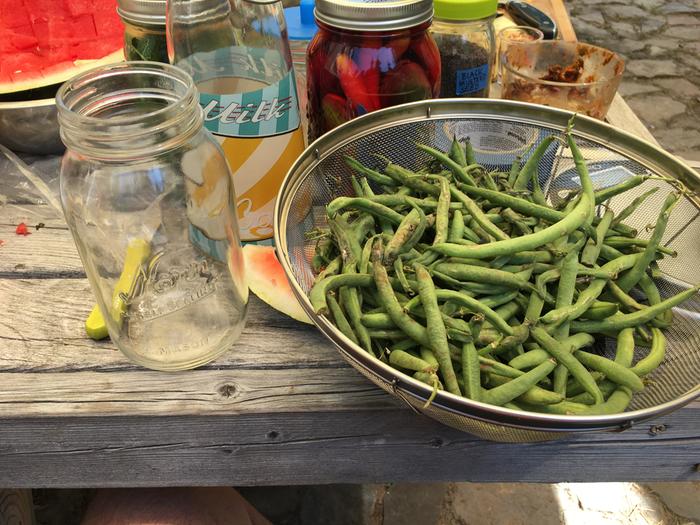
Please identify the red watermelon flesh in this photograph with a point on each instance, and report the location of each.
(46, 42)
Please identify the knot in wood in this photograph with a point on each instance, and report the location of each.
(227, 390)
(657, 429)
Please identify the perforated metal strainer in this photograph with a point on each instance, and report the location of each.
(500, 130)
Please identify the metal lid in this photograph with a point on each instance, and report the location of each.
(149, 12)
(373, 15)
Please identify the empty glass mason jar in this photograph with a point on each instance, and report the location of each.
(148, 197)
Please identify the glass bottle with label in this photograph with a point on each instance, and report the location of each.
(238, 53)
(463, 31)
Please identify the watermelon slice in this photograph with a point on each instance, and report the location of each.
(267, 280)
(46, 42)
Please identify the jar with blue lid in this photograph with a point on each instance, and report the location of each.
(463, 31)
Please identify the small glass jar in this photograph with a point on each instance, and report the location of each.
(147, 195)
(144, 29)
(463, 31)
(367, 56)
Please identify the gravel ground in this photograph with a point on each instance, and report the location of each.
(660, 41)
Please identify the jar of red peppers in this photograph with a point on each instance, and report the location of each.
(367, 56)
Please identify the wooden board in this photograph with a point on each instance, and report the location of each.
(74, 412)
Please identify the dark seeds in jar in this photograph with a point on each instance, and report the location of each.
(465, 67)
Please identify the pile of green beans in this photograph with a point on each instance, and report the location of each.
(471, 282)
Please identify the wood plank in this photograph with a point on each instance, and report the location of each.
(16, 507)
(47, 252)
(368, 446)
(197, 392)
(34, 337)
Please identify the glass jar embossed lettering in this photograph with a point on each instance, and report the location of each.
(148, 197)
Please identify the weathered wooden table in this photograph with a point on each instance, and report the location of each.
(280, 407)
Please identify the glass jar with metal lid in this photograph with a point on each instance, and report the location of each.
(367, 56)
(463, 31)
(144, 29)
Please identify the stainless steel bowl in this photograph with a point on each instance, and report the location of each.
(499, 131)
(30, 127)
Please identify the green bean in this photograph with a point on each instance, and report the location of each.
(340, 319)
(411, 179)
(574, 388)
(457, 153)
(519, 336)
(456, 227)
(437, 336)
(514, 219)
(529, 359)
(570, 223)
(363, 267)
(429, 357)
(606, 387)
(388, 300)
(405, 360)
(592, 249)
(401, 276)
(655, 356)
(471, 372)
(518, 204)
(536, 356)
(620, 321)
(616, 403)
(648, 287)
(514, 170)
(477, 307)
(535, 395)
(586, 183)
(380, 333)
(407, 234)
(622, 242)
(565, 296)
(356, 186)
(623, 298)
(518, 386)
(587, 297)
(496, 300)
(469, 152)
(349, 247)
(464, 272)
(562, 355)
(350, 301)
(632, 207)
(479, 216)
(532, 163)
(375, 176)
(609, 192)
(318, 292)
(460, 172)
(365, 204)
(380, 320)
(624, 352)
(619, 374)
(600, 310)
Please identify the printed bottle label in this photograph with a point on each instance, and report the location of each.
(261, 136)
(269, 111)
(471, 80)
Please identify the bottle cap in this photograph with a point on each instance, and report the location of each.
(148, 12)
(383, 15)
(465, 9)
(301, 24)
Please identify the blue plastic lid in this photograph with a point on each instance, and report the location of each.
(301, 24)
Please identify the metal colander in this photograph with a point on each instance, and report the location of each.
(499, 130)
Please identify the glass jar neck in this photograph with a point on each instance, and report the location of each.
(128, 110)
(478, 22)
